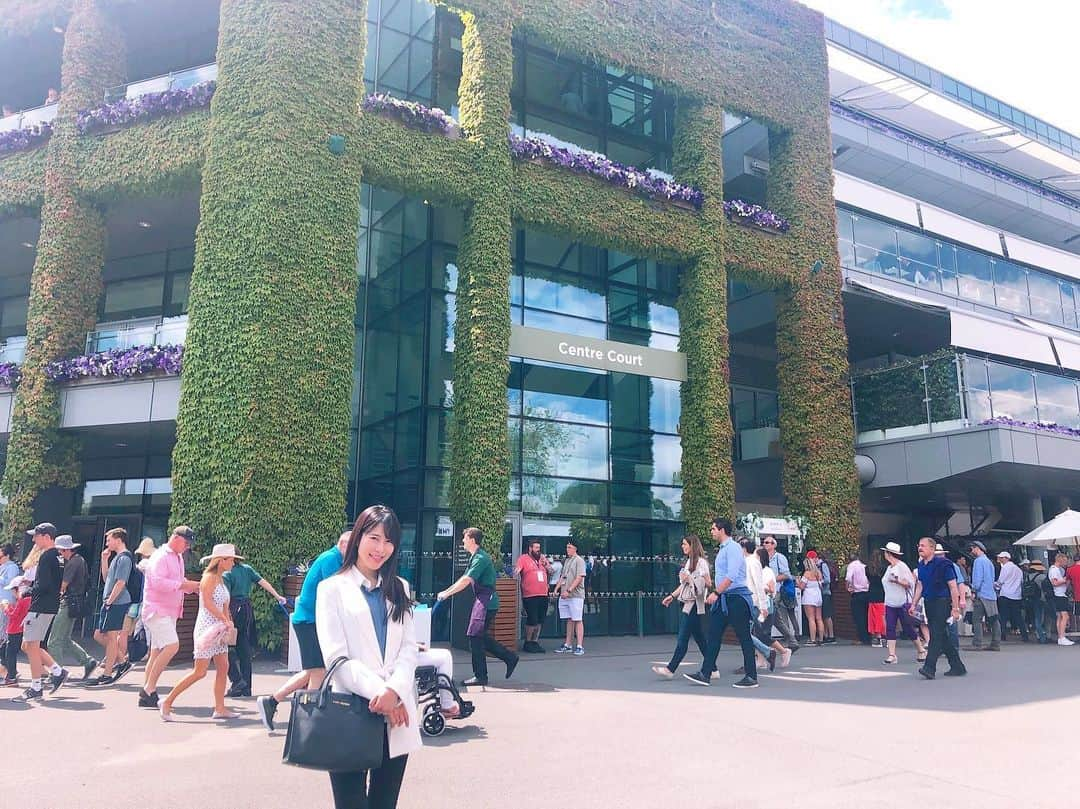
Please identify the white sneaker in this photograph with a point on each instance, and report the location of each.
(1065, 642)
(662, 671)
(785, 661)
(564, 649)
(579, 651)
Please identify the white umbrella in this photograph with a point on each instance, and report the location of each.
(1064, 529)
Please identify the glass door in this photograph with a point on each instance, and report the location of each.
(89, 532)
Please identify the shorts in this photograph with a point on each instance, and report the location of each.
(310, 651)
(133, 611)
(535, 610)
(112, 618)
(571, 608)
(827, 606)
(160, 631)
(1061, 603)
(36, 626)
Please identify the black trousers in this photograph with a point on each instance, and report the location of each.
(355, 790)
(860, 606)
(1012, 614)
(482, 643)
(240, 654)
(739, 619)
(937, 615)
(11, 654)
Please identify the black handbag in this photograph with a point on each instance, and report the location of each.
(333, 732)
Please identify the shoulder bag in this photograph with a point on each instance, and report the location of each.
(333, 732)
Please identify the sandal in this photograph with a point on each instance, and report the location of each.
(890, 659)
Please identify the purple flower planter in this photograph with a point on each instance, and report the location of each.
(119, 362)
(415, 116)
(28, 138)
(610, 171)
(745, 213)
(144, 108)
(9, 374)
(1005, 421)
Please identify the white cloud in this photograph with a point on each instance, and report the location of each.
(1025, 54)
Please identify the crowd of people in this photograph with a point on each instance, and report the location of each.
(354, 607)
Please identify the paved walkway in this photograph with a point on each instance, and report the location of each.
(838, 728)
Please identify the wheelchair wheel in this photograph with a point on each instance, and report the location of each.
(434, 723)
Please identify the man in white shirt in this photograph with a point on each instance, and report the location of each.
(784, 616)
(1010, 586)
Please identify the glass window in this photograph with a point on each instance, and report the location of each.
(646, 458)
(13, 316)
(564, 450)
(977, 384)
(975, 276)
(1012, 392)
(561, 496)
(918, 259)
(644, 403)
(1058, 401)
(875, 246)
(567, 294)
(179, 293)
(640, 308)
(1070, 303)
(566, 393)
(1010, 286)
(139, 297)
(1045, 296)
(646, 502)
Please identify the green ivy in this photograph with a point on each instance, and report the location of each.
(66, 281)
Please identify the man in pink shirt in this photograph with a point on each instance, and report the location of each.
(533, 569)
(859, 587)
(163, 603)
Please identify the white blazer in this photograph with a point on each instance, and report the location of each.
(345, 629)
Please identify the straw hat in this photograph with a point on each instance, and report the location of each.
(146, 547)
(894, 548)
(223, 550)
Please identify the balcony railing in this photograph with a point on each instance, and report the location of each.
(131, 333)
(27, 119)
(13, 350)
(177, 80)
(950, 391)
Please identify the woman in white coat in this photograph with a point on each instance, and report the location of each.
(364, 613)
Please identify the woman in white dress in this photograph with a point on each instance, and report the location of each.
(810, 583)
(212, 628)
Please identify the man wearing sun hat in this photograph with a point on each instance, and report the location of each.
(163, 603)
(73, 606)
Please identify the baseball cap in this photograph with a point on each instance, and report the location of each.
(43, 528)
(186, 533)
(1004, 555)
(979, 545)
(811, 554)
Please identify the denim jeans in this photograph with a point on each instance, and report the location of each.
(738, 617)
(689, 627)
(1039, 609)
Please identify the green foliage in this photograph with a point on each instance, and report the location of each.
(261, 445)
(66, 281)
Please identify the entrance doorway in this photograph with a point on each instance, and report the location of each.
(89, 532)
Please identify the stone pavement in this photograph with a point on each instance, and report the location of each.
(837, 728)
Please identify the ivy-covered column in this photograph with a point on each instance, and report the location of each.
(705, 429)
(262, 429)
(66, 281)
(816, 428)
(479, 452)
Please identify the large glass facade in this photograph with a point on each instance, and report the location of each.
(600, 108)
(149, 285)
(905, 254)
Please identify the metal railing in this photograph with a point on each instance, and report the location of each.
(143, 332)
(177, 80)
(26, 119)
(952, 390)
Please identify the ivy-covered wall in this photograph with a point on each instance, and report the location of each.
(264, 415)
(261, 437)
(66, 281)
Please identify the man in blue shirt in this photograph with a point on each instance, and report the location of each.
(985, 606)
(784, 617)
(313, 669)
(941, 601)
(731, 604)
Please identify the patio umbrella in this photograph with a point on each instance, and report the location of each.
(1063, 530)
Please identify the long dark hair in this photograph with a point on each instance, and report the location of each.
(392, 587)
(697, 550)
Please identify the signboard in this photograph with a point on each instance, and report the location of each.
(592, 352)
(776, 525)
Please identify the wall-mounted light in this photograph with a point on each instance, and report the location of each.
(143, 223)
(336, 144)
(57, 29)
(28, 245)
(817, 267)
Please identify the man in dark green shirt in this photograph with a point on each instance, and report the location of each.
(480, 575)
(240, 580)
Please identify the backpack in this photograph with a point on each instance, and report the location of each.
(137, 645)
(1047, 589)
(1031, 591)
(135, 580)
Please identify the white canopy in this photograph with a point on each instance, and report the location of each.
(1063, 530)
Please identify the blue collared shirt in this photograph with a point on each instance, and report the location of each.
(779, 564)
(731, 564)
(982, 578)
(376, 602)
(935, 576)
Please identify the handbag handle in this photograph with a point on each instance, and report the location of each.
(324, 689)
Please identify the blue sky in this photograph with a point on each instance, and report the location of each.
(1025, 53)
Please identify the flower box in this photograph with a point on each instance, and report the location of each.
(415, 116)
(120, 114)
(755, 216)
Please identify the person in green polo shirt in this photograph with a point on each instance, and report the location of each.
(480, 575)
(240, 580)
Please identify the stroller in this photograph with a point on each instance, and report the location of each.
(428, 685)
